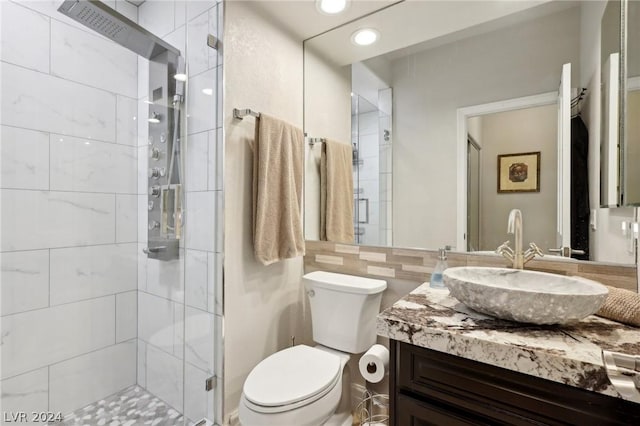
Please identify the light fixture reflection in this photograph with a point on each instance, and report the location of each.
(365, 36)
(208, 91)
(180, 77)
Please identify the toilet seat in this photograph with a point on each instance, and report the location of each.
(302, 374)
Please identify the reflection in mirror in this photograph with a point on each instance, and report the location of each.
(372, 159)
(473, 185)
(440, 64)
(523, 130)
(632, 116)
(610, 99)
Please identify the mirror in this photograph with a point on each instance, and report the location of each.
(610, 48)
(631, 166)
(468, 82)
(620, 59)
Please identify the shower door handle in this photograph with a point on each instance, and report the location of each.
(158, 249)
(366, 207)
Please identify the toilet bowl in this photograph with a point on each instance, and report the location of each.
(298, 386)
(309, 386)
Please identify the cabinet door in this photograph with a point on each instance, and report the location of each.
(412, 412)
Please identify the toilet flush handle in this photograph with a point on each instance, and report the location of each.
(311, 293)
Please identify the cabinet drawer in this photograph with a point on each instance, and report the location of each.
(500, 395)
(421, 413)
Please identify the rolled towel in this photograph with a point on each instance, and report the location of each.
(622, 306)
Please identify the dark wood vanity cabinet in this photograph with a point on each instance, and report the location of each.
(434, 388)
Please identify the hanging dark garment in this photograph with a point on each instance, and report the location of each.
(579, 188)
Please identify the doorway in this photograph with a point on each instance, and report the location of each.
(513, 111)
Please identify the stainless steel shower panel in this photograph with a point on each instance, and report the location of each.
(166, 96)
(104, 20)
(165, 200)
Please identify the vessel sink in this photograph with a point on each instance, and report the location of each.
(525, 296)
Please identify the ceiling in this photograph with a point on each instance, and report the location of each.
(303, 20)
(422, 24)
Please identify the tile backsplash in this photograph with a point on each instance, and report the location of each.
(417, 264)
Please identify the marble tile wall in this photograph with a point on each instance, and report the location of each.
(417, 264)
(180, 302)
(79, 300)
(68, 188)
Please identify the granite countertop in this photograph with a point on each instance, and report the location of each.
(569, 354)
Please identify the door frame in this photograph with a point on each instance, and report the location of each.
(549, 98)
(471, 142)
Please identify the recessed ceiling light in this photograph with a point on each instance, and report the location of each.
(365, 36)
(331, 7)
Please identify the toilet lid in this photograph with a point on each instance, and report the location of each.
(291, 375)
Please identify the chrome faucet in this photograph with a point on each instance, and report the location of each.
(517, 256)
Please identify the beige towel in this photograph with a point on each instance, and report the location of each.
(336, 192)
(622, 306)
(277, 190)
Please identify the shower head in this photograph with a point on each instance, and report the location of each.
(113, 25)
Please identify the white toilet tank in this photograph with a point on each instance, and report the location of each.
(344, 309)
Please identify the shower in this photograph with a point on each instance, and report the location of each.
(166, 95)
(109, 132)
(115, 26)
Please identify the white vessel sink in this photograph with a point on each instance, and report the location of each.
(525, 296)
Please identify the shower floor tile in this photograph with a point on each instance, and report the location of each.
(131, 407)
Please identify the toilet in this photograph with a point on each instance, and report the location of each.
(309, 386)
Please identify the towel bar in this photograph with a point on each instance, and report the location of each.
(313, 141)
(242, 113)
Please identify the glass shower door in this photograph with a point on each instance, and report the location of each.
(180, 300)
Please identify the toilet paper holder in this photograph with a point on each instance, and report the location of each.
(374, 363)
